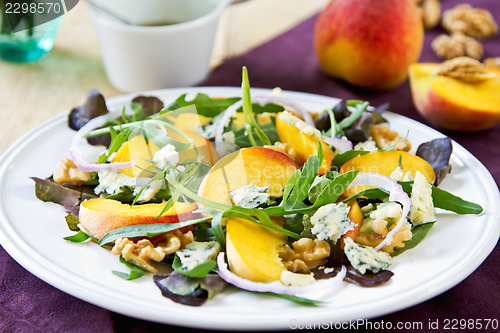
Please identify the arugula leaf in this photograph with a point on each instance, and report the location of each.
(300, 191)
(135, 272)
(447, 201)
(199, 271)
(348, 121)
(335, 188)
(203, 234)
(419, 233)
(250, 123)
(219, 235)
(290, 184)
(296, 299)
(146, 230)
(340, 159)
(242, 140)
(370, 193)
(267, 108)
(205, 105)
(79, 237)
(294, 223)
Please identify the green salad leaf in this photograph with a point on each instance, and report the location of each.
(199, 271)
(79, 237)
(447, 201)
(205, 105)
(419, 233)
(146, 230)
(135, 272)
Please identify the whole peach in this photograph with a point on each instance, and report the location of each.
(369, 43)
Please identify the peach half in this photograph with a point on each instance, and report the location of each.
(136, 149)
(253, 251)
(304, 144)
(99, 216)
(369, 43)
(454, 104)
(255, 165)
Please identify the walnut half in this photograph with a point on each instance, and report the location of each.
(430, 11)
(474, 22)
(457, 45)
(305, 254)
(67, 172)
(465, 69)
(384, 138)
(142, 252)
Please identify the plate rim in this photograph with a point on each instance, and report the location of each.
(117, 306)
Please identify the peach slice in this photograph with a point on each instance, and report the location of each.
(304, 144)
(356, 217)
(99, 216)
(455, 104)
(206, 148)
(255, 165)
(384, 163)
(136, 150)
(253, 251)
(188, 121)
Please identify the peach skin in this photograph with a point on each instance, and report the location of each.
(369, 43)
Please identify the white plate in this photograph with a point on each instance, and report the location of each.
(31, 231)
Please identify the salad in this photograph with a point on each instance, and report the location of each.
(252, 191)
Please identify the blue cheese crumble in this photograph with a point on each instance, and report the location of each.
(368, 145)
(196, 253)
(398, 175)
(295, 279)
(422, 206)
(389, 211)
(114, 182)
(166, 157)
(250, 196)
(366, 258)
(291, 120)
(331, 222)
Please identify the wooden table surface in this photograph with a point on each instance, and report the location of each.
(33, 93)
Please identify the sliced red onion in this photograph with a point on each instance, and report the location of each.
(396, 194)
(290, 103)
(77, 155)
(319, 290)
(341, 145)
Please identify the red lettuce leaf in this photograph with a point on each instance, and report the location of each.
(189, 291)
(94, 106)
(150, 104)
(437, 153)
(49, 191)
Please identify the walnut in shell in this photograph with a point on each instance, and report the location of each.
(474, 22)
(457, 45)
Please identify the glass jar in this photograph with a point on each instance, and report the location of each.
(27, 45)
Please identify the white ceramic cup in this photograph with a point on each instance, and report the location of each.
(141, 57)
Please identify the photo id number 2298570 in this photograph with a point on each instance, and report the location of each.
(33, 7)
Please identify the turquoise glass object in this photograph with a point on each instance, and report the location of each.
(28, 45)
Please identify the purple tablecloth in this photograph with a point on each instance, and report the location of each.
(28, 304)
